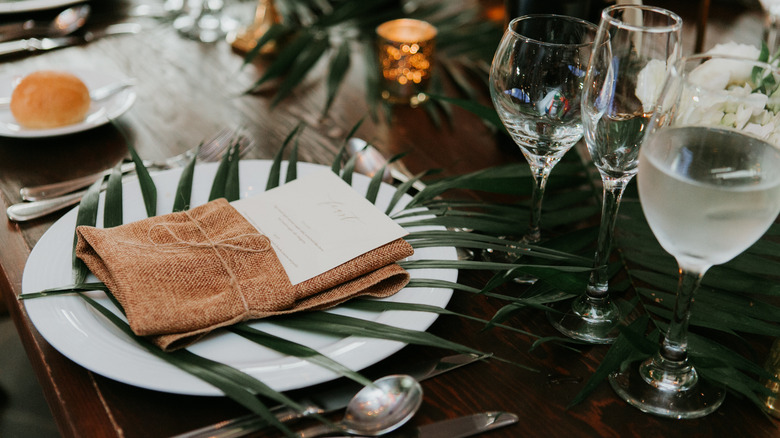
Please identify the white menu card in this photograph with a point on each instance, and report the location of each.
(317, 222)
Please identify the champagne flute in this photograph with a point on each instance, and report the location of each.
(709, 185)
(536, 81)
(626, 70)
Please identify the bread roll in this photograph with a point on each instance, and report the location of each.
(49, 99)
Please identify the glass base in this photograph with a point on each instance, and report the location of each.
(595, 321)
(693, 398)
(490, 255)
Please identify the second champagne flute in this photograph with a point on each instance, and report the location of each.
(536, 81)
(627, 67)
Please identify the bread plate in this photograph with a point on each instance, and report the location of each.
(99, 113)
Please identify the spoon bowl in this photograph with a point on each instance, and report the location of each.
(383, 408)
(377, 409)
(66, 22)
(69, 20)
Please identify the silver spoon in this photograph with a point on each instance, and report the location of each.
(377, 409)
(370, 161)
(66, 22)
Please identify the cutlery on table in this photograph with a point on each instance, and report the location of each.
(374, 410)
(65, 23)
(42, 44)
(97, 95)
(327, 400)
(370, 161)
(460, 427)
(210, 151)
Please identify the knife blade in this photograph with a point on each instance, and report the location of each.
(43, 44)
(327, 400)
(460, 427)
(468, 425)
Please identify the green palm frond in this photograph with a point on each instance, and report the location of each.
(735, 303)
(332, 30)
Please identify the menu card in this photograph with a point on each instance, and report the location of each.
(317, 222)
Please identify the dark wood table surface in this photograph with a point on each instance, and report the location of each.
(186, 92)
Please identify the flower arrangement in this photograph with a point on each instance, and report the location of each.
(738, 96)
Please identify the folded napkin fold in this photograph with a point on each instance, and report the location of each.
(181, 275)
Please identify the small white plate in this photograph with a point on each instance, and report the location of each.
(86, 337)
(99, 113)
(13, 6)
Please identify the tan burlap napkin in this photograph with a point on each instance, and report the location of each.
(181, 275)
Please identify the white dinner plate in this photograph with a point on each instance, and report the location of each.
(13, 6)
(71, 326)
(99, 113)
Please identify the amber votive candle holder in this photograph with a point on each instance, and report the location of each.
(772, 403)
(406, 49)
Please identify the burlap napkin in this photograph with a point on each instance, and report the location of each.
(181, 275)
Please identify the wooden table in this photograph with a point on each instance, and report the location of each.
(187, 91)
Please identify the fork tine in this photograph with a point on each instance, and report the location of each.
(244, 145)
(212, 149)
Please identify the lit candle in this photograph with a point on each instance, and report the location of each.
(406, 49)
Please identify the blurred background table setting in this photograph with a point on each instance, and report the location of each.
(247, 96)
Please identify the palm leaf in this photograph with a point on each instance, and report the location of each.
(485, 113)
(220, 178)
(292, 161)
(341, 325)
(285, 59)
(235, 384)
(232, 186)
(148, 189)
(722, 306)
(181, 200)
(277, 31)
(112, 210)
(275, 173)
(301, 67)
(294, 349)
(87, 215)
(337, 70)
(620, 354)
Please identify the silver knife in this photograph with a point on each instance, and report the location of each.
(327, 400)
(42, 44)
(460, 427)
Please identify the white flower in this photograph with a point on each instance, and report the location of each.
(719, 74)
(649, 83)
(735, 49)
(730, 100)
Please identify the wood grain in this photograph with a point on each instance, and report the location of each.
(188, 91)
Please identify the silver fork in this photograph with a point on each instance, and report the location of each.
(210, 151)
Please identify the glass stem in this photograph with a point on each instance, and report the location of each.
(598, 284)
(534, 233)
(669, 369)
(675, 345)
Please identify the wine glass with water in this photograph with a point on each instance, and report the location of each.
(536, 81)
(709, 185)
(627, 67)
